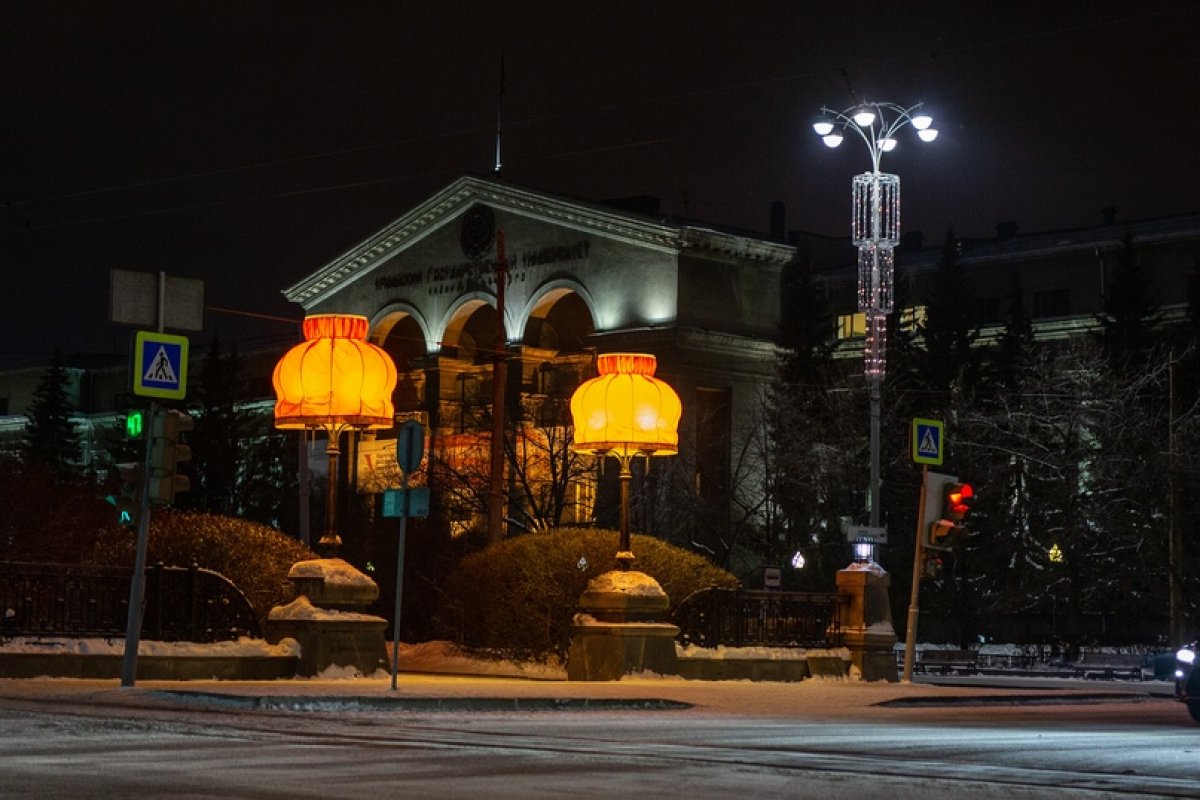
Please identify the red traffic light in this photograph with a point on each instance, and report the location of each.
(958, 501)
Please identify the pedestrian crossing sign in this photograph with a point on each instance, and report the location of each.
(928, 441)
(160, 365)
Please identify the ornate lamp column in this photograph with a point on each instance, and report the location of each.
(334, 380)
(875, 228)
(626, 412)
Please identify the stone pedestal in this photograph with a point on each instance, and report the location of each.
(866, 621)
(615, 633)
(323, 620)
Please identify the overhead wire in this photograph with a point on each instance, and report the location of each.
(1030, 35)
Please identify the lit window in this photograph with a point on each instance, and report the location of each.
(851, 326)
(911, 317)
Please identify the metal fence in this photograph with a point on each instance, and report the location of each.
(757, 618)
(181, 603)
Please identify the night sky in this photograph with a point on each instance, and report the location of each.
(249, 143)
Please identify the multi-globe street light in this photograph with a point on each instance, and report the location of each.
(875, 226)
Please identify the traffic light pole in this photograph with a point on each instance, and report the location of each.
(137, 586)
(910, 631)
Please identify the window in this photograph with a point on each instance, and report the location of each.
(1052, 303)
(714, 423)
(854, 326)
(851, 326)
(911, 317)
(987, 309)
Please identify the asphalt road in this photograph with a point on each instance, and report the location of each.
(351, 740)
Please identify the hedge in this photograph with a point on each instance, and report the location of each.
(516, 599)
(255, 557)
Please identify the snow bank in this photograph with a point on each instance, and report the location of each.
(302, 608)
(445, 657)
(622, 582)
(759, 653)
(334, 571)
(241, 647)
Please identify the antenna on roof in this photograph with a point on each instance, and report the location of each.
(499, 108)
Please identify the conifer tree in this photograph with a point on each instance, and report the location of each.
(50, 441)
(948, 333)
(1129, 318)
(221, 429)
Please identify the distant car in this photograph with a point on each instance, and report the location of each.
(1187, 679)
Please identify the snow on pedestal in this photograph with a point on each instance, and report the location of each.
(333, 583)
(614, 633)
(866, 621)
(323, 621)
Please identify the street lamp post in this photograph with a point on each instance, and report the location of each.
(875, 227)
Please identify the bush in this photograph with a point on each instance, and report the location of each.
(47, 518)
(516, 599)
(256, 558)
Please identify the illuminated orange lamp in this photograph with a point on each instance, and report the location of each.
(334, 380)
(626, 412)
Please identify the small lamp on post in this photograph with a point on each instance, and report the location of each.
(625, 412)
(334, 380)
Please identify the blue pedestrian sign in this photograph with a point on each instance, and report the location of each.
(928, 441)
(160, 365)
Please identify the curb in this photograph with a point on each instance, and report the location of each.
(1017, 700)
(365, 703)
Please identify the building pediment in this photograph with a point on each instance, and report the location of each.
(448, 205)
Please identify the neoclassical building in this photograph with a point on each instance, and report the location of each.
(582, 279)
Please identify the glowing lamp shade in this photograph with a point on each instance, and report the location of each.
(626, 410)
(334, 377)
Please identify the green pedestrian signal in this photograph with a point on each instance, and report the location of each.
(135, 424)
(128, 495)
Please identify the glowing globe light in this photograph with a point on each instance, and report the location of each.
(921, 121)
(334, 380)
(833, 139)
(625, 412)
(927, 135)
(823, 127)
(864, 117)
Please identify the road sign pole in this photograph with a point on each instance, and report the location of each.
(910, 631)
(399, 583)
(410, 447)
(137, 585)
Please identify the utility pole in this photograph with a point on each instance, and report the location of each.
(495, 500)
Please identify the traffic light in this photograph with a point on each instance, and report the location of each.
(931, 566)
(957, 501)
(128, 497)
(931, 508)
(167, 452)
(945, 532)
(135, 425)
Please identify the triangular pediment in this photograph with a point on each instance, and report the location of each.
(448, 205)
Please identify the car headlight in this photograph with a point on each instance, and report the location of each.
(1185, 655)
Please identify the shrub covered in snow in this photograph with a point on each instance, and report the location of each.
(516, 599)
(256, 558)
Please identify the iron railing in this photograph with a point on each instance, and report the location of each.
(181, 603)
(757, 618)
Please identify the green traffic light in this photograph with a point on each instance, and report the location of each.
(134, 424)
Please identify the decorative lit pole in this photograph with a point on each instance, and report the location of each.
(875, 227)
(625, 412)
(334, 380)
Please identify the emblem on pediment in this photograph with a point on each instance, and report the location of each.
(478, 232)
